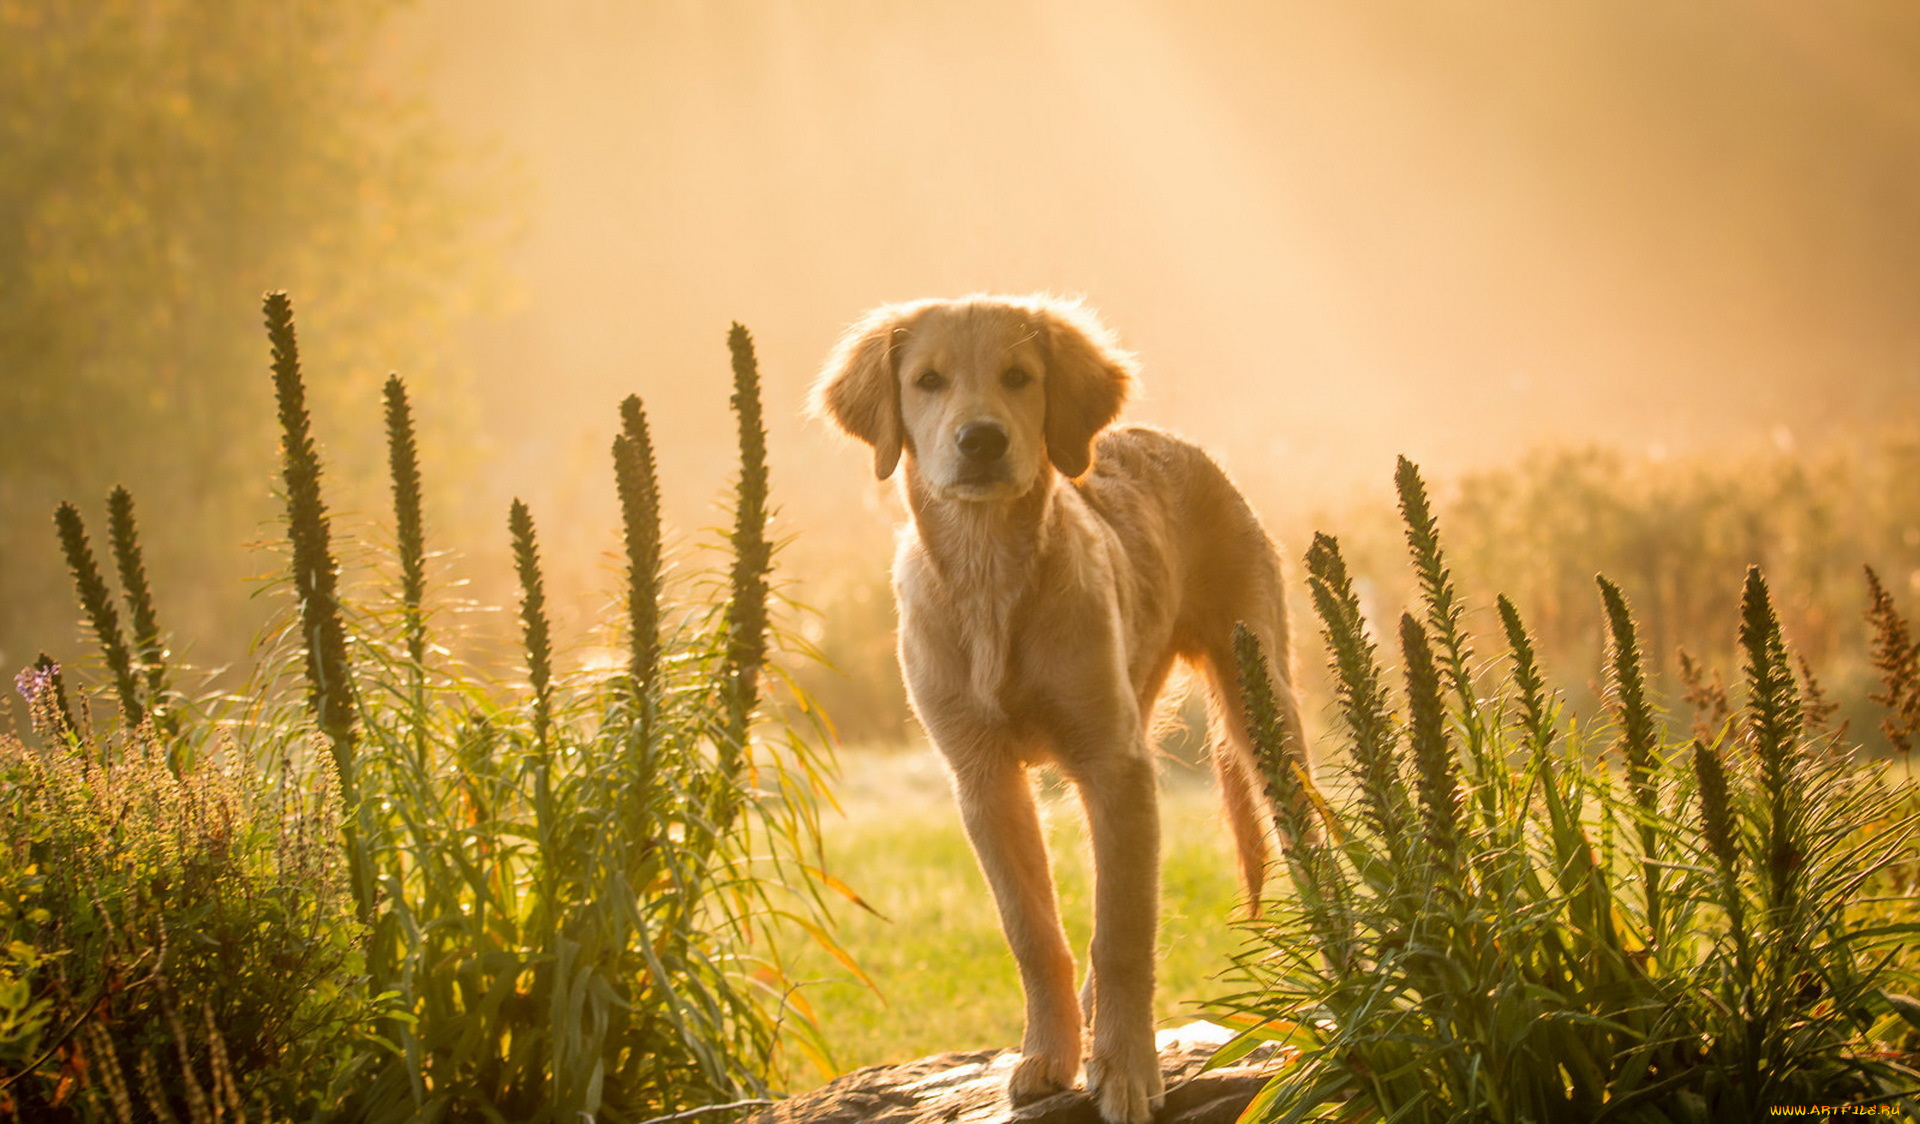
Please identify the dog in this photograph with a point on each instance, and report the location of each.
(1054, 569)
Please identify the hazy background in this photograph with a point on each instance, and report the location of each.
(1334, 233)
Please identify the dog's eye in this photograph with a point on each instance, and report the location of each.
(1015, 378)
(930, 380)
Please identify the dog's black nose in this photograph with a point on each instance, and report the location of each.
(982, 442)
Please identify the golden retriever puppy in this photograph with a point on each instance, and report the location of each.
(1053, 571)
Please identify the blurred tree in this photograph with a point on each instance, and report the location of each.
(163, 162)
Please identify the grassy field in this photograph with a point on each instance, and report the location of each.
(944, 977)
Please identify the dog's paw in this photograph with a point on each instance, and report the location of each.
(1126, 1089)
(1038, 1077)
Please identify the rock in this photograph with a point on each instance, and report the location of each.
(971, 1088)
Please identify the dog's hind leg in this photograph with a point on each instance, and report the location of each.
(996, 803)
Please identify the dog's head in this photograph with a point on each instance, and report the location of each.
(982, 393)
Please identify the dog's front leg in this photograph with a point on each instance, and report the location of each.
(996, 802)
(1120, 792)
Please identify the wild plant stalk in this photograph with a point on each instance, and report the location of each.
(409, 540)
(1292, 798)
(316, 586)
(1704, 690)
(98, 603)
(1536, 711)
(538, 642)
(1436, 772)
(403, 465)
(1364, 704)
(746, 620)
(316, 575)
(45, 690)
(638, 486)
(410, 543)
(1288, 787)
(1637, 744)
(1774, 726)
(1570, 861)
(1817, 707)
(1444, 610)
(145, 621)
(1897, 658)
(639, 490)
(533, 620)
(1719, 823)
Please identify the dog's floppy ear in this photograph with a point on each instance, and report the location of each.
(859, 388)
(1088, 375)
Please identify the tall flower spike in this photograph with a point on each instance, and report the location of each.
(1637, 739)
(1436, 773)
(403, 465)
(639, 488)
(1716, 810)
(1436, 583)
(98, 603)
(1279, 760)
(1897, 658)
(752, 560)
(1637, 734)
(1363, 698)
(533, 618)
(1534, 715)
(323, 632)
(315, 573)
(1720, 824)
(146, 626)
(1774, 717)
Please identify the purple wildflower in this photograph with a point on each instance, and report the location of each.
(33, 680)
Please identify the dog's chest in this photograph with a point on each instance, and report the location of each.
(962, 632)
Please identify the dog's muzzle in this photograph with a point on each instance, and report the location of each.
(982, 443)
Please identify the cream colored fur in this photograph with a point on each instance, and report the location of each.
(1053, 571)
